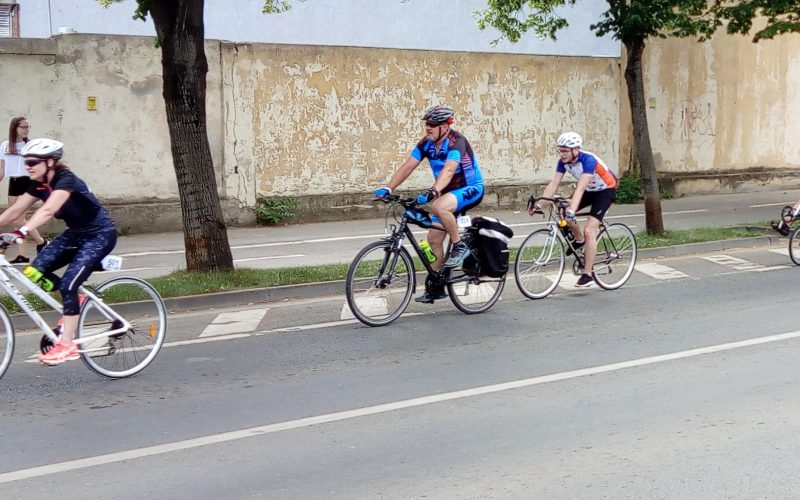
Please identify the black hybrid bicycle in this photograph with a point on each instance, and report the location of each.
(382, 278)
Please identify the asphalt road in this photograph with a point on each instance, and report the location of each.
(681, 387)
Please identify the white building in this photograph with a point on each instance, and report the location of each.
(402, 24)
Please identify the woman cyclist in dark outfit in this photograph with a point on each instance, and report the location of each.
(90, 234)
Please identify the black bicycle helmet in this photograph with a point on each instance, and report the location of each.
(436, 115)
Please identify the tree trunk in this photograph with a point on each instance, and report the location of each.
(654, 222)
(179, 25)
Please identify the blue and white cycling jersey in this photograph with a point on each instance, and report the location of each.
(589, 163)
(455, 147)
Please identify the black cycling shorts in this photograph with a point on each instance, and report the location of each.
(17, 186)
(599, 200)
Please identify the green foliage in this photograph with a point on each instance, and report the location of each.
(629, 190)
(273, 211)
(783, 16)
(624, 19)
(506, 16)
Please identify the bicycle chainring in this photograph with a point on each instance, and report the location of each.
(45, 344)
(433, 282)
(577, 270)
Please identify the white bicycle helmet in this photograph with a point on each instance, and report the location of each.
(569, 140)
(44, 148)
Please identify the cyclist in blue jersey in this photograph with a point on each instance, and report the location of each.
(596, 187)
(457, 186)
(90, 234)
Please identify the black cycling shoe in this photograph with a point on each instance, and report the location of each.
(42, 245)
(20, 260)
(428, 298)
(575, 244)
(781, 228)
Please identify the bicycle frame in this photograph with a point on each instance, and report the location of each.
(8, 271)
(398, 234)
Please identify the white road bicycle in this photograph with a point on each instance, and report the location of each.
(541, 258)
(114, 342)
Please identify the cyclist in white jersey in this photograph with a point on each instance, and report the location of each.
(596, 187)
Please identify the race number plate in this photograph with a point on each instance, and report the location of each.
(111, 263)
(464, 221)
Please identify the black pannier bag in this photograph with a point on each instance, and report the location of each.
(490, 239)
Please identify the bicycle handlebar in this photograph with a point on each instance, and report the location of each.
(393, 198)
(558, 200)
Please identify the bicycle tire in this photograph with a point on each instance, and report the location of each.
(372, 298)
(128, 353)
(616, 256)
(475, 294)
(6, 340)
(539, 264)
(794, 246)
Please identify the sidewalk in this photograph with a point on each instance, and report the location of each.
(150, 255)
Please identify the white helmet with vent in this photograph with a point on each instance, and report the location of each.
(44, 148)
(569, 140)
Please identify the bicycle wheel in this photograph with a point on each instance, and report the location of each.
(475, 294)
(539, 264)
(6, 340)
(380, 283)
(616, 256)
(126, 353)
(794, 246)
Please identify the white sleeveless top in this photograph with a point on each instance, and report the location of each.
(15, 166)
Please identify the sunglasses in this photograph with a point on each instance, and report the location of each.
(431, 124)
(32, 163)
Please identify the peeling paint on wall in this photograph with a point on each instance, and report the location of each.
(328, 120)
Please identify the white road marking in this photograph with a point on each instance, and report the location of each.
(660, 271)
(772, 204)
(291, 256)
(129, 270)
(226, 437)
(782, 251)
(234, 322)
(369, 306)
(733, 262)
(568, 280)
(177, 343)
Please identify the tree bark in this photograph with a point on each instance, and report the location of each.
(654, 222)
(180, 30)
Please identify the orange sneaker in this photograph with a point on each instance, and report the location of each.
(59, 353)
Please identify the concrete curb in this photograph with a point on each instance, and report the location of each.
(709, 246)
(311, 290)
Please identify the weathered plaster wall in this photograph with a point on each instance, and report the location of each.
(725, 107)
(328, 124)
(308, 120)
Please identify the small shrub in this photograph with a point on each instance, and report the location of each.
(271, 211)
(629, 189)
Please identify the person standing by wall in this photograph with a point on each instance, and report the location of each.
(13, 167)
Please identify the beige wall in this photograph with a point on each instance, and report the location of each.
(304, 121)
(724, 107)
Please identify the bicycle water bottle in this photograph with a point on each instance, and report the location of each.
(427, 250)
(37, 277)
